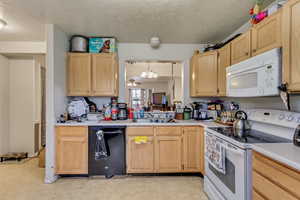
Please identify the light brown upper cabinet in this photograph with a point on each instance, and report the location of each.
(241, 48)
(291, 45)
(204, 78)
(193, 72)
(193, 149)
(93, 74)
(267, 34)
(105, 75)
(224, 61)
(79, 73)
(71, 150)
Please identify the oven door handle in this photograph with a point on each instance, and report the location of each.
(234, 149)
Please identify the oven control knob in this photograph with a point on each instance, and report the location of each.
(290, 118)
(281, 116)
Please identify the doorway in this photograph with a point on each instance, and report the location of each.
(25, 115)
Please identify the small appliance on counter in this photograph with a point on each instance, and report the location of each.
(123, 114)
(187, 113)
(296, 138)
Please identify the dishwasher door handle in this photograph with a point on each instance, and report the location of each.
(112, 132)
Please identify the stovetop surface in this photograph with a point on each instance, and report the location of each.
(250, 136)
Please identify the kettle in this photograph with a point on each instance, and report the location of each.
(241, 124)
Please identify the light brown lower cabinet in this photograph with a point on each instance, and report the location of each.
(168, 153)
(71, 150)
(193, 149)
(140, 157)
(273, 180)
(168, 150)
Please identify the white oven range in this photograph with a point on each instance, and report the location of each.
(267, 126)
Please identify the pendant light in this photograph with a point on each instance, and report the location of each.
(149, 74)
(3, 23)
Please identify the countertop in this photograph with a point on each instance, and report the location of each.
(286, 153)
(130, 123)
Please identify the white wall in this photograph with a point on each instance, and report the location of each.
(170, 52)
(22, 105)
(23, 47)
(57, 45)
(142, 52)
(4, 105)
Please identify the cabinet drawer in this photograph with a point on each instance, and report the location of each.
(138, 131)
(284, 177)
(169, 131)
(269, 189)
(74, 131)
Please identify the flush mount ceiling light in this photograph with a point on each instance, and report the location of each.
(2, 24)
(155, 42)
(149, 74)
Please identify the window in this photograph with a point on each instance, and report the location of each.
(137, 97)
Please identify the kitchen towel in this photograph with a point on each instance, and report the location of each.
(101, 150)
(215, 152)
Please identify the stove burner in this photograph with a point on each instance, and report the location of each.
(250, 136)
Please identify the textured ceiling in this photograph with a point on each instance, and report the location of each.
(174, 21)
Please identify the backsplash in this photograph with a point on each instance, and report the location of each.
(266, 102)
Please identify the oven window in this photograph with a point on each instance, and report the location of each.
(229, 178)
(244, 81)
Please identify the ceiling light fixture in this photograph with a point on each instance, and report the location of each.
(149, 74)
(155, 42)
(2, 24)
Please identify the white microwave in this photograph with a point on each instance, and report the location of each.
(257, 76)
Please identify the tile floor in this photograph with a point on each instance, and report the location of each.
(25, 182)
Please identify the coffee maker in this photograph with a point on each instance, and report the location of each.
(122, 114)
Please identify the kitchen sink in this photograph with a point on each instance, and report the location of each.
(154, 121)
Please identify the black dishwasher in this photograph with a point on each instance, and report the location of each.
(107, 151)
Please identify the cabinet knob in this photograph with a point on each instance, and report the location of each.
(246, 53)
(254, 50)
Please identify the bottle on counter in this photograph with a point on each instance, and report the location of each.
(114, 111)
(107, 112)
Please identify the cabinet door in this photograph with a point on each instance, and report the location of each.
(206, 74)
(224, 61)
(79, 74)
(168, 153)
(267, 34)
(240, 48)
(71, 150)
(140, 157)
(105, 75)
(291, 45)
(193, 68)
(192, 149)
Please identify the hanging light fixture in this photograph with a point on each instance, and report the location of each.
(132, 83)
(3, 23)
(149, 74)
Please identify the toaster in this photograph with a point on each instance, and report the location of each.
(297, 136)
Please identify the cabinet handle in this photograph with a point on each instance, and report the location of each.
(246, 53)
(254, 50)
